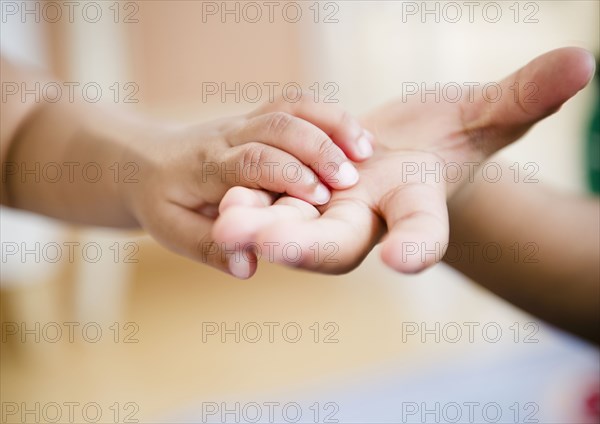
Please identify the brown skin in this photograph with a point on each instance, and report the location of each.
(410, 210)
(388, 205)
(556, 275)
(169, 180)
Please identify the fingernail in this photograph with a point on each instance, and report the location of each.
(321, 195)
(239, 266)
(347, 175)
(364, 147)
(369, 135)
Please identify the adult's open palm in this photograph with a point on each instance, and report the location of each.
(424, 152)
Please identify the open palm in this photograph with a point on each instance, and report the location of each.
(425, 151)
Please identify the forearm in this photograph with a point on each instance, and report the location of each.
(71, 161)
(549, 243)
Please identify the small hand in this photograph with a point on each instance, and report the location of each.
(301, 149)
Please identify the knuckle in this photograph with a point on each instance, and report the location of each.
(253, 155)
(327, 149)
(278, 122)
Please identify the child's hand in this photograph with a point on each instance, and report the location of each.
(301, 149)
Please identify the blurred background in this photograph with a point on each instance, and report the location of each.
(138, 333)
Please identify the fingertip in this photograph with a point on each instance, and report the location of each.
(409, 257)
(391, 255)
(394, 260)
(320, 195)
(241, 266)
(354, 140)
(584, 61)
(365, 146)
(345, 177)
(590, 65)
(563, 73)
(242, 196)
(361, 146)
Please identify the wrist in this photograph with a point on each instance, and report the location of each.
(137, 171)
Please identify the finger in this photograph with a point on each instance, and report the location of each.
(301, 139)
(189, 235)
(238, 196)
(527, 96)
(242, 196)
(417, 220)
(344, 129)
(334, 243)
(241, 224)
(257, 165)
(291, 232)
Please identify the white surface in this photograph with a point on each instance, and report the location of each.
(549, 381)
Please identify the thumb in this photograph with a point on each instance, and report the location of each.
(189, 233)
(529, 95)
